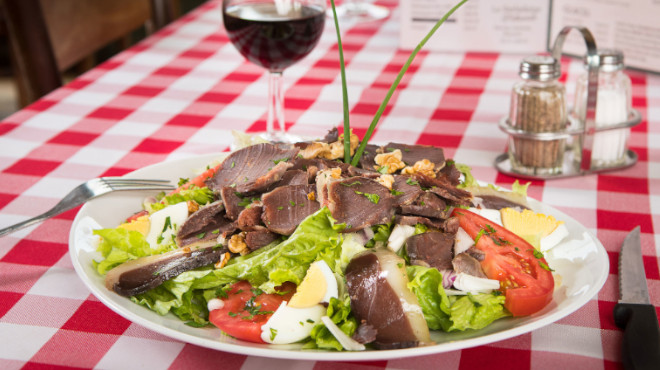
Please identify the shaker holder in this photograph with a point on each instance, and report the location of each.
(584, 133)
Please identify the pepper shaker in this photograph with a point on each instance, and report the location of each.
(538, 106)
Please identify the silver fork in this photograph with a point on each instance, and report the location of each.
(89, 190)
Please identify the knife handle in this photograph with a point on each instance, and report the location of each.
(641, 336)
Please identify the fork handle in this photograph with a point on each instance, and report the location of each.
(59, 208)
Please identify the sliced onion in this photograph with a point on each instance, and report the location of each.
(473, 284)
(347, 342)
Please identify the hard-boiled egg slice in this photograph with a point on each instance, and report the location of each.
(164, 223)
(536, 228)
(140, 224)
(554, 238)
(290, 324)
(318, 286)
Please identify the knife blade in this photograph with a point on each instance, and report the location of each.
(634, 313)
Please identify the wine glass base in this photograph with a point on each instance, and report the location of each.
(361, 12)
(279, 137)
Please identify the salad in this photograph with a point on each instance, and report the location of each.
(286, 244)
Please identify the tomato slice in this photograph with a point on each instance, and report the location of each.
(524, 276)
(246, 309)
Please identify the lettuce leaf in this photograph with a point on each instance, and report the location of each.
(317, 237)
(468, 180)
(339, 311)
(426, 284)
(451, 313)
(475, 311)
(120, 245)
(200, 195)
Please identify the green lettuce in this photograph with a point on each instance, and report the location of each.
(451, 313)
(120, 245)
(200, 195)
(317, 237)
(339, 311)
(468, 180)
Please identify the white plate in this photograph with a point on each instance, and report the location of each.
(583, 268)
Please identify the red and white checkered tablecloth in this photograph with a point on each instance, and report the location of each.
(182, 91)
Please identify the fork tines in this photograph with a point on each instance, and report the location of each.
(123, 182)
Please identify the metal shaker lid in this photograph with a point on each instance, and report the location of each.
(610, 59)
(539, 68)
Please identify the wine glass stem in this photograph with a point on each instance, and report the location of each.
(275, 103)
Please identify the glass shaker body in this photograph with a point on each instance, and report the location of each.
(614, 103)
(537, 106)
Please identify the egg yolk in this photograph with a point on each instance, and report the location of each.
(141, 225)
(311, 290)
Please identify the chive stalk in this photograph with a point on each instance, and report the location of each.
(398, 78)
(344, 90)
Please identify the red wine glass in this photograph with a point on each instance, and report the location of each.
(274, 34)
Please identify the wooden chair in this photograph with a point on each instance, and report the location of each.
(47, 37)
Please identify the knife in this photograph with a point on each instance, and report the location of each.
(634, 313)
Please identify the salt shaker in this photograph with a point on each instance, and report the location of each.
(537, 106)
(614, 103)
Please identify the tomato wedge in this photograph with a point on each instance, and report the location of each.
(246, 309)
(524, 275)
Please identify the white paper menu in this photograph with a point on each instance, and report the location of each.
(516, 26)
(531, 26)
(631, 26)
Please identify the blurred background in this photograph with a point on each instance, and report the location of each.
(10, 99)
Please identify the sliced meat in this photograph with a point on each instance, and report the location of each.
(477, 254)
(442, 187)
(253, 168)
(414, 220)
(410, 154)
(360, 202)
(142, 274)
(464, 263)
(367, 161)
(451, 173)
(204, 225)
(406, 188)
(331, 136)
(293, 177)
(434, 249)
(285, 207)
(250, 218)
(495, 202)
(231, 199)
(380, 298)
(259, 239)
(319, 163)
(365, 333)
(427, 205)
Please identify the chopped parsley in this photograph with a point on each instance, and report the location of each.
(373, 198)
(233, 164)
(292, 203)
(412, 182)
(168, 224)
(479, 235)
(395, 192)
(351, 184)
(280, 208)
(201, 235)
(183, 181)
(276, 161)
(273, 333)
(545, 267)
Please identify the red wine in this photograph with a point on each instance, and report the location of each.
(272, 40)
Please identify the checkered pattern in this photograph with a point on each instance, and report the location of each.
(182, 91)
